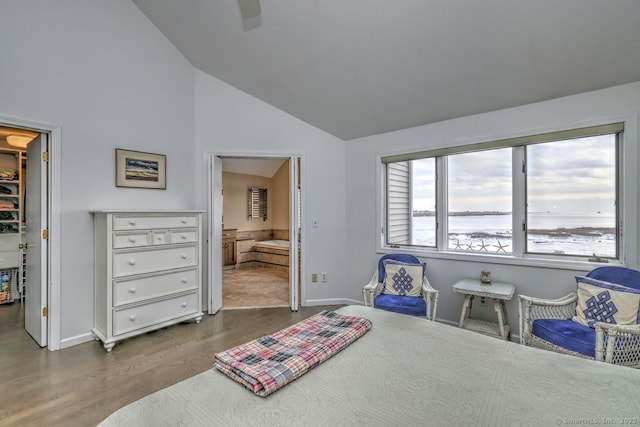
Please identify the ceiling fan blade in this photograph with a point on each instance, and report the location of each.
(249, 8)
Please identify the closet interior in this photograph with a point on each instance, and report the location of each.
(13, 161)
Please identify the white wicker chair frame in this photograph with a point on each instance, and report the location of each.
(616, 344)
(429, 294)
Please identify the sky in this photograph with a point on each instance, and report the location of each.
(574, 176)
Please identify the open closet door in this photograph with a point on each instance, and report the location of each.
(215, 235)
(35, 314)
(294, 231)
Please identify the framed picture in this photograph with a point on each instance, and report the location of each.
(136, 169)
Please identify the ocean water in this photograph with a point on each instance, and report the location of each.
(548, 233)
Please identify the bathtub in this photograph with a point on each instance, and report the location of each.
(272, 252)
(277, 244)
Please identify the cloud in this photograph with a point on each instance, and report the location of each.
(569, 175)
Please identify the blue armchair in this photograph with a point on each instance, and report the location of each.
(400, 285)
(600, 320)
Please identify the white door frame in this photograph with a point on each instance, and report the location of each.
(53, 256)
(214, 262)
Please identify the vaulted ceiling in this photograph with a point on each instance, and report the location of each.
(355, 68)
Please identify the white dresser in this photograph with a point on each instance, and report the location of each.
(148, 271)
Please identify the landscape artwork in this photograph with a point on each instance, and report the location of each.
(136, 169)
(141, 170)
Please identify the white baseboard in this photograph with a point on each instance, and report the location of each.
(78, 339)
(447, 322)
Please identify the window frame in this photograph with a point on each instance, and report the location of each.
(626, 196)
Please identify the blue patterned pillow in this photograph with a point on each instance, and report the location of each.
(600, 301)
(402, 278)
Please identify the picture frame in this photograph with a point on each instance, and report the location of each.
(137, 169)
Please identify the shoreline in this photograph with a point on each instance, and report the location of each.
(556, 232)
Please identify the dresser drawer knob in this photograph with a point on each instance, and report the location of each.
(184, 304)
(132, 239)
(132, 222)
(132, 318)
(132, 262)
(132, 290)
(184, 280)
(183, 237)
(184, 221)
(183, 256)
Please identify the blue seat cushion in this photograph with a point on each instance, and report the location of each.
(413, 306)
(567, 334)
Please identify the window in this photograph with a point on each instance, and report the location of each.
(479, 201)
(549, 195)
(571, 197)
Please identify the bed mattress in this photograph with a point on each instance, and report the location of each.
(408, 371)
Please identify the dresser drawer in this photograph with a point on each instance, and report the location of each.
(129, 291)
(131, 222)
(186, 236)
(133, 318)
(9, 259)
(159, 237)
(122, 240)
(147, 261)
(130, 240)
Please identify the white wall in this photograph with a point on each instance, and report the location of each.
(103, 73)
(109, 78)
(569, 112)
(230, 122)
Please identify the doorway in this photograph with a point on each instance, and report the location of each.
(254, 232)
(24, 230)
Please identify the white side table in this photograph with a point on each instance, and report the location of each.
(498, 292)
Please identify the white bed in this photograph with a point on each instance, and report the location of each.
(408, 371)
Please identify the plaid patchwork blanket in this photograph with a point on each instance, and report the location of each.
(267, 364)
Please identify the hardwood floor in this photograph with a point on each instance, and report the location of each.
(82, 385)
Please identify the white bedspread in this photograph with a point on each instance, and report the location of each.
(408, 371)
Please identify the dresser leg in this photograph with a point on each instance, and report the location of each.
(109, 346)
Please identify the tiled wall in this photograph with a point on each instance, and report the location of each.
(246, 240)
(259, 235)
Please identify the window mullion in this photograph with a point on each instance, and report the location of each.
(518, 200)
(442, 233)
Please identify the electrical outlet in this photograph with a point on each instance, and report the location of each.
(483, 300)
(323, 276)
(314, 277)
